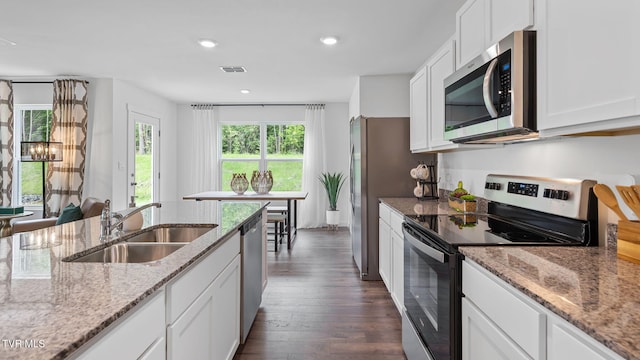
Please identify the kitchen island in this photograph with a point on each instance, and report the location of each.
(51, 307)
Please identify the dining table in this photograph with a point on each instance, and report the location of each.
(291, 197)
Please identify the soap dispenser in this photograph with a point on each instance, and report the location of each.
(134, 222)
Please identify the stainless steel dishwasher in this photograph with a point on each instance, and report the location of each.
(251, 250)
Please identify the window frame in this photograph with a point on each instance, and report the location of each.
(263, 159)
(18, 123)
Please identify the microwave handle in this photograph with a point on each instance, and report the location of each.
(486, 92)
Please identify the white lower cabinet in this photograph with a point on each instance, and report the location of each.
(482, 339)
(138, 335)
(391, 253)
(565, 341)
(203, 307)
(384, 252)
(500, 322)
(210, 327)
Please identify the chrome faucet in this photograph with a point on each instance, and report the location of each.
(106, 226)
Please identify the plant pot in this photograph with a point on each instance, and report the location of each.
(333, 218)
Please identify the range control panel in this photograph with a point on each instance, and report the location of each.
(565, 197)
(522, 189)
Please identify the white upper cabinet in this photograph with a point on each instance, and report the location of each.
(482, 23)
(418, 108)
(507, 16)
(471, 39)
(588, 58)
(441, 65)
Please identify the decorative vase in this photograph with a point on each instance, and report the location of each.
(262, 181)
(333, 218)
(239, 183)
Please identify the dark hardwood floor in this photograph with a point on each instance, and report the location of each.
(316, 307)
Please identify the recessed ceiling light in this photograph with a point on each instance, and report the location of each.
(329, 40)
(207, 43)
(245, 91)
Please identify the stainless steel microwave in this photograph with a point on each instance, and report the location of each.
(493, 97)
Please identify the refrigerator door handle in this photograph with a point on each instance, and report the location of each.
(351, 180)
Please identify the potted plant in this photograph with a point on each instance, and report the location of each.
(332, 184)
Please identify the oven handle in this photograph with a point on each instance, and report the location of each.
(486, 92)
(436, 255)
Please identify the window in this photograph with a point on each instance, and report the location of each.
(31, 123)
(275, 147)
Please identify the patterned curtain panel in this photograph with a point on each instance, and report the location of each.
(6, 142)
(65, 179)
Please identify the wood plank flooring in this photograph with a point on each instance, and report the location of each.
(316, 307)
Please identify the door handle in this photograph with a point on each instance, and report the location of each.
(486, 91)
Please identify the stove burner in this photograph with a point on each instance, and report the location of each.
(522, 236)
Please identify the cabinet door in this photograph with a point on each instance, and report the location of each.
(565, 341)
(441, 65)
(384, 253)
(482, 339)
(587, 73)
(226, 312)
(470, 31)
(506, 16)
(418, 104)
(157, 351)
(397, 243)
(210, 327)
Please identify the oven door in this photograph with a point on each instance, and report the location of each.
(430, 298)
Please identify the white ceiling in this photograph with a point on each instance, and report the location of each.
(153, 44)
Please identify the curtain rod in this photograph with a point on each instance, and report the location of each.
(39, 82)
(192, 105)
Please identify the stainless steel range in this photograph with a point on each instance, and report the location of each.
(521, 211)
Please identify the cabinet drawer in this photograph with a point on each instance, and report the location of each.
(384, 213)
(396, 222)
(131, 336)
(185, 289)
(508, 309)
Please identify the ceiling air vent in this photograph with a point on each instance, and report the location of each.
(233, 69)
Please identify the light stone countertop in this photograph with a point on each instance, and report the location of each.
(587, 286)
(49, 307)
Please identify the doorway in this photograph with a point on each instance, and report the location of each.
(143, 158)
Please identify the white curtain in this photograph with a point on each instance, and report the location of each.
(313, 208)
(204, 150)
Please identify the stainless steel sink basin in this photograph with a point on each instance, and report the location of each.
(130, 253)
(170, 235)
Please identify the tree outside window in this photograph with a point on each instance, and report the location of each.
(275, 147)
(34, 124)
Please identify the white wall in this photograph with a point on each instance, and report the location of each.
(609, 160)
(336, 147)
(381, 96)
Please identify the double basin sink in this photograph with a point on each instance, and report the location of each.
(150, 245)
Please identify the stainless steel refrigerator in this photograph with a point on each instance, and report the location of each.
(379, 167)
